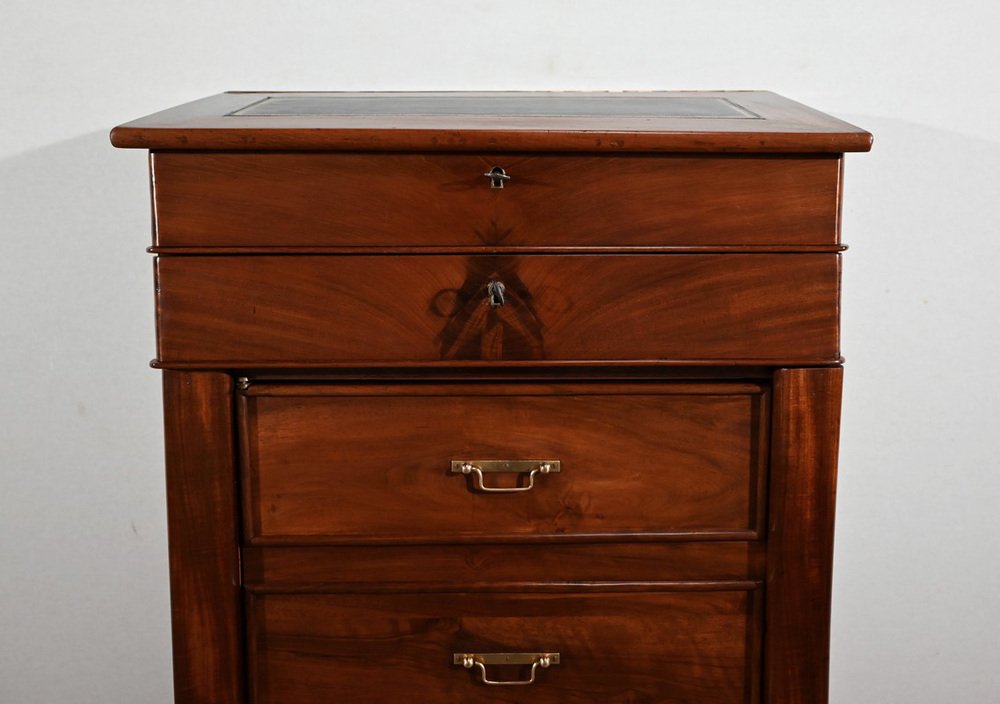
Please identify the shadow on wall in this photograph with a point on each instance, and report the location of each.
(83, 596)
(75, 221)
(76, 281)
(920, 290)
(915, 612)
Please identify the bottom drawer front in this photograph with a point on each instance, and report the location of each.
(665, 647)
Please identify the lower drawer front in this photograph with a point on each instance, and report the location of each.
(275, 311)
(666, 647)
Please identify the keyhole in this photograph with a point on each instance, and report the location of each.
(497, 176)
(495, 290)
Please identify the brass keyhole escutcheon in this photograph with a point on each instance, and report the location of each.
(497, 176)
(495, 293)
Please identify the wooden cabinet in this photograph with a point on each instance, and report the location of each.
(499, 397)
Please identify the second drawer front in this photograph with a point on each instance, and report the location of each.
(274, 311)
(357, 464)
(668, 647)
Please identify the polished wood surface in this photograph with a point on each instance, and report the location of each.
(309, 199)
(800, 533)
(222, 122)
(636, 459)
(644, 645)
(287, 311)
(486, 567)
(516, 249)
(204, 550)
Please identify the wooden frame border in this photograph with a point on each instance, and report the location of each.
(804, 445)
(202, 519)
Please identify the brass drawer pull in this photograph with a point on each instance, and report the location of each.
(481, 660)
(481, 467)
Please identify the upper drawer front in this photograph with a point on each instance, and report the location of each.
(667, 647)
(341, 463)
(285, 200)
(274, 311)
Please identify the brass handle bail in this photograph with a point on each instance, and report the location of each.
(481, 660)
(477, 468)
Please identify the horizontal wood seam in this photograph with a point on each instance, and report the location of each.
(211, 365)
(505, 539)
(505, 587)
(540, 250)
(531, 388)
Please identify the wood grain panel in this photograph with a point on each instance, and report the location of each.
(669, 647)
(281, 311)
(800, 534)
(495, 567)
(346, 199)
(203, 523)
(525, 249)
(368, 464)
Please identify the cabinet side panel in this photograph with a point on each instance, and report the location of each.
(806, 429)
(202, 520)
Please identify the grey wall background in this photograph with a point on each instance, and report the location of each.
(83, 571)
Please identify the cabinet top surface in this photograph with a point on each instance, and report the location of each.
(724, 121)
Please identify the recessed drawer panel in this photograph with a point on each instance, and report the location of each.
(668, 647)
(445, 463)
(321, 311)
(282, 200)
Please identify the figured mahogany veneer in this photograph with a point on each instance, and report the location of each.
(655, 643)
(204, 555)
(346, 307)
(293, 311)
(347, 199)
(680, 461)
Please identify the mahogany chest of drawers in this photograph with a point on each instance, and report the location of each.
(498, 397)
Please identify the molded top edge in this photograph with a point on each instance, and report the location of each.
(657, 121)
